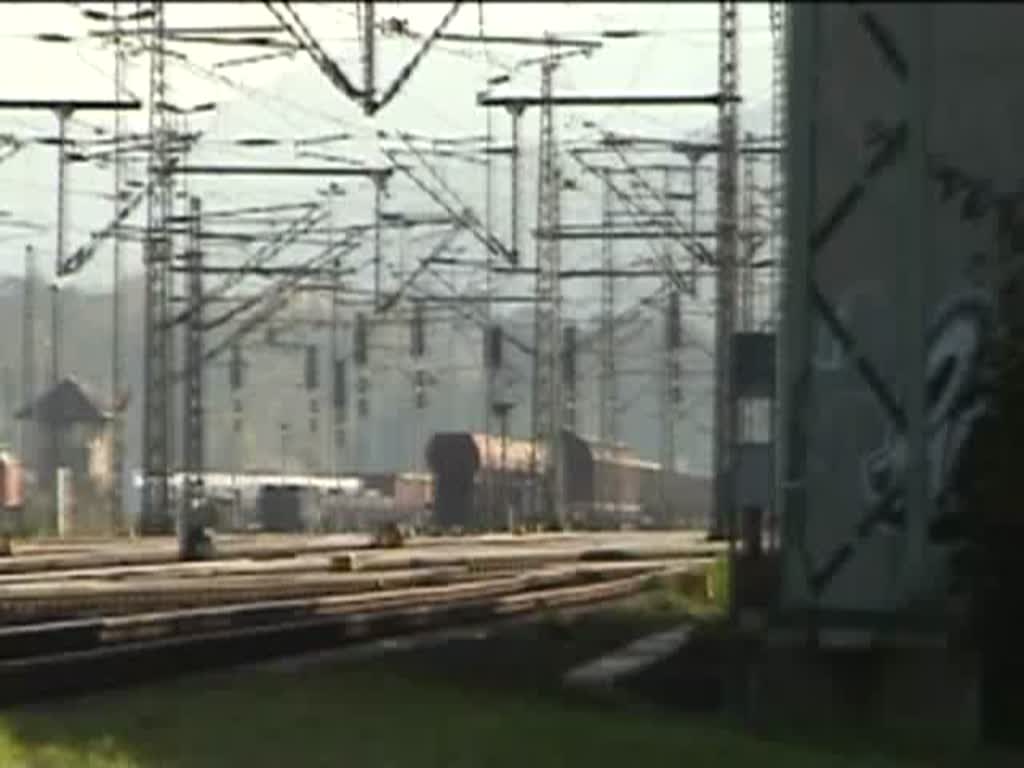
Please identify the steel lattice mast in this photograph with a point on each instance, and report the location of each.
(117, 425)
(29, 433)
(776, 228)
(156, 443)
(669, 388)
(193, 427)
(607, 381)
(547, 400)
(727, 248)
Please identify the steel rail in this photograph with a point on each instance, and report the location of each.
(77, 659)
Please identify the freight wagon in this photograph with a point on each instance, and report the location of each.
(483, 482)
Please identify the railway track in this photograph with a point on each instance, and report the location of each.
(60, 658)
(34, 597)
(56, 560)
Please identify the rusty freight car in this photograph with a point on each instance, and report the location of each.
(483, 482)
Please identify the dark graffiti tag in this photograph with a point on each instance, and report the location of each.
(977, 195)
(979, 200)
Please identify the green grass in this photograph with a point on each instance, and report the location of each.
(497, 702)
(494, 703)
(367, 715)
(702, 595)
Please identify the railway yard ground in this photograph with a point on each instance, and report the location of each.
(326, 651)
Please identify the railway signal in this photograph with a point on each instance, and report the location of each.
(569, 375)
(340, 385)
(235, 368)
(420, 386)
(493, 346)
(312, 377)
(312, 371)
(360, 352)
(360, 349)
(673, 328)
(340, 402)
(418, 345)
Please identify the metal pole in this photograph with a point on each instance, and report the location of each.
(725, 310)
(504, 474)
(608, 392)
(62, 118)
(369, 55)
(53, 426)
(337, 432)
(193, 389)
(695, 158)
(921, 240)
(489, 373)
(56, 331)
(794, 355)
(668, 367)
(547, 405)
(29, 431)
(156, 441)
(117, 426)
(517, 113)
(725, 421)
(378, 191)
(777, 245)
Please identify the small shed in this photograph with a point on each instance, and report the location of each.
(73, 431)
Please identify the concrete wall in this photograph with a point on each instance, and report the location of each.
(846, 456)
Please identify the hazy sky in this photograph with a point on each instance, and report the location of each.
(288, 99)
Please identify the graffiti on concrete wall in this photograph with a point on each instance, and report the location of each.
(955, 387)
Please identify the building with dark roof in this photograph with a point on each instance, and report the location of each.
(72, 430)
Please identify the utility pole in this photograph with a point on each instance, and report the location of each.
(516, 111)
(669, 379)
(235, 380)
(748, 303)
(776, 228)
(776, 238)
(56, 329)
(568, 371)
(502, 409)
(489, 371)
(547, 400)
(193, 492)
(10, 398)
(63, 113)
(361, 357)
(379, 181)
(723, 523)
(312, 382)
(156, 426)
(492, 353)
(608, 389)
(339, 399)
(53, 425)
(671, 396)
(117, 425)
(369, 35)
(417, 349)
(29, 440)
(694, 156)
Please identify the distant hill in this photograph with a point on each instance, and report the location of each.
(273, 393)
